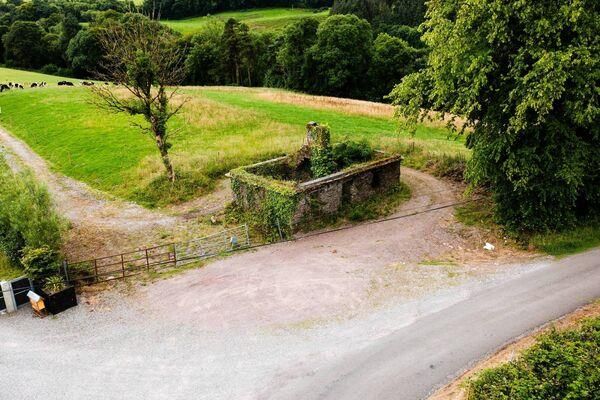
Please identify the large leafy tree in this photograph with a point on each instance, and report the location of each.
(297, 38)
(393, 58)
(340, 58)
(524, 75)
(85, 51)
(23, 45)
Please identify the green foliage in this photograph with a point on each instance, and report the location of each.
(321, 156)
(570, 241)
(350, 152)
(561, 365)
(23, 45)
(54, 284)
(84, 52)
(524, 75)
(291, 57)
(272, 20)
(393, 58)
(38, 263)
(339, 60)
(203, 63)
(383, 12)
(7, 269)
(28, 223)
(272, 203)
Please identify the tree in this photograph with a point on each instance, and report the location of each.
(144, 58)
(297, 38)
(203, 64)
(237, 53)
(85, 52)
(388, 12)
(393, 59)
(23, 45)
(69, 26)
(525, 76)
(339, 59)
(3, 31)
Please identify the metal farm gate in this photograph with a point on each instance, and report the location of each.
(124, 265)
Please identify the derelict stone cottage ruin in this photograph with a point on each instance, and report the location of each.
(285, 192)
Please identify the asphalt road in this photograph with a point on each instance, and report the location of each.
(413, 361)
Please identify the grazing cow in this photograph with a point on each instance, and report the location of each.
(33, 85)
(19, 86)
(4, 87)
(84, 83)
(65, 83)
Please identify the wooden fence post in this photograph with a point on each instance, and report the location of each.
(147, 260)
(96, 270)
(175, 255)
(123, 265)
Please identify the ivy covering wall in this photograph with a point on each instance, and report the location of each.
(272, 202)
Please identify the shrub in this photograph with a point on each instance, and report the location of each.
(349, 152)
(54, 284)
(321, 158)
(30, 229)
(39, 263)
(561, 365)
(49, 69)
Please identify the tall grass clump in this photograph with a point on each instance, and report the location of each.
(30, 229)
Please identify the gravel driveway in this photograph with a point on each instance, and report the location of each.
(120, 349)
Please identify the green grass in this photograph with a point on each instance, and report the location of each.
(572, 241)
(7, 270)
(220, 128)
(264, 19)
(559, 244)
(27, 77)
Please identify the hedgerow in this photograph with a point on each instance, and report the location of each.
(561, 365)
(30, 229)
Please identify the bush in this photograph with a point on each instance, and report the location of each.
(350, 152)
(39, 263)
(30, 229)
(54, 284)
(49, 69)
(562, 365)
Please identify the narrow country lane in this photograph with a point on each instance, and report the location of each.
(415, 360)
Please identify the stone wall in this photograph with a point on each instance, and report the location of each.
(329, 194)
(326, 195)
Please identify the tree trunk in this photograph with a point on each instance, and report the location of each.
(164, 155)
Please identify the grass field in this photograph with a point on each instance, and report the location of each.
(259, 19)
(219, 129)
(26, 77)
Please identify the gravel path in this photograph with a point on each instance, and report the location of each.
(121, 348)
(102, 225)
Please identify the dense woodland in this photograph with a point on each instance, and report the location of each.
(361, 50)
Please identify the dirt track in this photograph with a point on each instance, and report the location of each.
(102, 225)
(333, 275)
